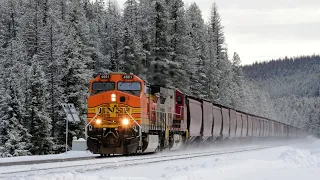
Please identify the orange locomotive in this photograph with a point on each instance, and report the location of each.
(126, 116)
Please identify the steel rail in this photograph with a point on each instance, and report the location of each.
(32, 162)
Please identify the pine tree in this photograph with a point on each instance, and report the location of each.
(131, 48)
(32, 25)
(161, 51)
(236, 82)
(218, 64)
(180, 44)
(95, 16)
(37, 113)
(12, 131)
(226, 84)
(197, 61)
(14, 135)
(113, 35)
(146, 30)
(75, 74)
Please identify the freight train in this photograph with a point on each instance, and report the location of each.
(126, 116)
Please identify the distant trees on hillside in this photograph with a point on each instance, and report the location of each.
(294, 88)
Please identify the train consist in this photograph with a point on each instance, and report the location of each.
(126, 116)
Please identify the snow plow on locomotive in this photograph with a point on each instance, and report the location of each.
(126, 116)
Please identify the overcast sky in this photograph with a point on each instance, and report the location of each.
(264, 29)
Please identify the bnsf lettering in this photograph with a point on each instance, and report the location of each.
(112, 110)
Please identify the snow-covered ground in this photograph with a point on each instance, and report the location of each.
(294, 162)
(68, 155)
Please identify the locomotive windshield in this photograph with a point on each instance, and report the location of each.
(130, 87)
(98, 87)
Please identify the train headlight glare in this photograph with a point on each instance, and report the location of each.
(113, 99)
(113, 95)
(125, 121)
(98, 121)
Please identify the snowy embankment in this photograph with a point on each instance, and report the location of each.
(298, 161)
(79, 152)
(68, 155)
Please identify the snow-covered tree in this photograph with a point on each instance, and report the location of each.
(113, 35)
(75, 74)
(95, 16)
(14, 136)
(131, 52)
(37, 112)
(146, 31)
(181, 45)
(218, 65)
(236, 82)
(197, 32)
(161, 51)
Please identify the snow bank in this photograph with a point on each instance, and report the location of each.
(300, 157)
(79, 144)
(68, 155)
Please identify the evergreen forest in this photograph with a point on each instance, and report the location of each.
(50, 49)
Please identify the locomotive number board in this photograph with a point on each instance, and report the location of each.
(127, 76)
(105, 76)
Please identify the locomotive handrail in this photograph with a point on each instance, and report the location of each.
(169, 112)
(140, 130)
(86, 127)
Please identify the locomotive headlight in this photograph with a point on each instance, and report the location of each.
(113, 97)
(98, 121)
(125, 121)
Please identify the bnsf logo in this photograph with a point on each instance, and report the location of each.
(115, 110)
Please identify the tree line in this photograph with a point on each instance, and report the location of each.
(49, 50)
(294, 88)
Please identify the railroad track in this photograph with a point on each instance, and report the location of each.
(85, 166)
(45, 161)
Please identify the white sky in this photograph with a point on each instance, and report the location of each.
(264, 29)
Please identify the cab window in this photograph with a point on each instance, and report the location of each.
(146, 89)
(179, 99)
(99, 87)
(133, 88)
